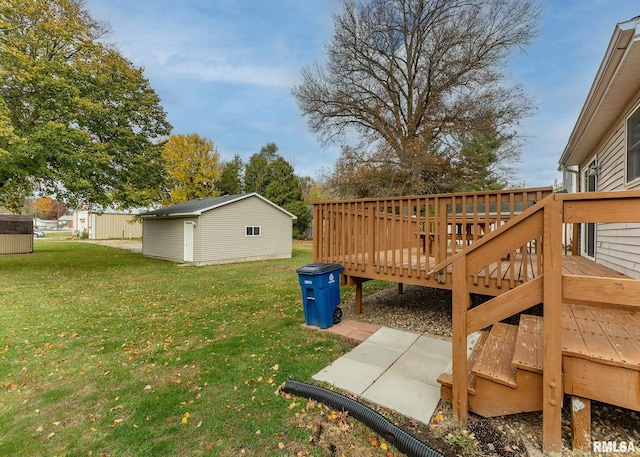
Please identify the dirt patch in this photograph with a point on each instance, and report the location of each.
(335, 433)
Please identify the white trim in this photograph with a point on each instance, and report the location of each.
(209, 208)
(242, 197)
(253, 229)
(188, 240)
(634, 182)
(584, 176)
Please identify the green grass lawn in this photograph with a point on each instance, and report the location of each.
(106, 352)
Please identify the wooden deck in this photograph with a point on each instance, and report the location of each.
(411, 266)
(509, 245)
(609, 336)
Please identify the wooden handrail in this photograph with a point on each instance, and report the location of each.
(512, 224)
(519, 230)
(403, 236)
(544, 220)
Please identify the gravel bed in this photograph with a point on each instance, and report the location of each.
(427, 310)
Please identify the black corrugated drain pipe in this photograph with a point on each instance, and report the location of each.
(405, 442)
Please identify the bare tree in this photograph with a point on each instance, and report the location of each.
(418, 79)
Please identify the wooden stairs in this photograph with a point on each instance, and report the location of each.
(505, 369)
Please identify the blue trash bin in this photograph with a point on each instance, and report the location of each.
(320, 284)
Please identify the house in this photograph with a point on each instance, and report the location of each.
(109, 224)
(16, 234)
(603, 151)
(46, 224)
(231, 228)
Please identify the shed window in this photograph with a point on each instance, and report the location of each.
(633, 146)
(253, 231)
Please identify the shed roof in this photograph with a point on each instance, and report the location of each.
(614, 85)
(16, 217)
(201, 205)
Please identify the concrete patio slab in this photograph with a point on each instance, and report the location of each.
(374, 354)
(395, 369)
(350, 375)
(393, 338)
(421, 367)
(415, 399)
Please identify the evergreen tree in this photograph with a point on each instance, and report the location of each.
(231, 178)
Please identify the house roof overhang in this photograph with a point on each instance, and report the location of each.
(615, 84)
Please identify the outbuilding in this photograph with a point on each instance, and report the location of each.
(107, 224)
(16, 234)
(231, 228)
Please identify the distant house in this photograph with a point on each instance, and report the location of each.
(46, 224)
(603, 152)
(231, 228)
(109, 224)
(16, 234)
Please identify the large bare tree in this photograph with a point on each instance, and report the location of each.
(420, 82)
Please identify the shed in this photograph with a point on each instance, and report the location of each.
(16, 234)
(603, 151)
(231, 228)
(108, 224)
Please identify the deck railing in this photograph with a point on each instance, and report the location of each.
(406, 236)
(542, 222)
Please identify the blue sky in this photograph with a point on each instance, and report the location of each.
(224, 70)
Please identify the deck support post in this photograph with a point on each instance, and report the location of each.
(461, 303)
(400, 288)
(580, 424)
(553, 388)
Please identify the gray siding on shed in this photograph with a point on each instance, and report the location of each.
(163, 238)
(220, 234)
(223, 235)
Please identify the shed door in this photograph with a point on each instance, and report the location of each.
(188, 242)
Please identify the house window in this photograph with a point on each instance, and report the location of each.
(252, 231)
(633, 146)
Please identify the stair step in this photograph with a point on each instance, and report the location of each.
(494, 361)
(529, 344)
(474, 346)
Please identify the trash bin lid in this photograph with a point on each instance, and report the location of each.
(318, 268)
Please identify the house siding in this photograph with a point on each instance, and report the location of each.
(617, 245)
(223, 236)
